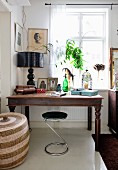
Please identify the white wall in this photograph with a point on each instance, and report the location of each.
(5, 58)
(16, 17)
(8, 69)
(114, 27)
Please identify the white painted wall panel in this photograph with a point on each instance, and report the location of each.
(5, 58)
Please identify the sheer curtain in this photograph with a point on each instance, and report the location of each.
(58, 40)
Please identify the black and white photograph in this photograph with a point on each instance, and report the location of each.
(18, 38)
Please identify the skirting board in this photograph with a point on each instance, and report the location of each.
(68, 124)
(60, 124)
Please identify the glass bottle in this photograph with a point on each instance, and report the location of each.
(65, 84)
(86, 80)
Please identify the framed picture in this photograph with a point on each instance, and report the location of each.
(113, 65)
(37, 38)
(18, 38)
(52, 83)
(42, 83)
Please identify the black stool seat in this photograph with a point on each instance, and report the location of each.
(54, 115)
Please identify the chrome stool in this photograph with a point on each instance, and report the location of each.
(55, 115)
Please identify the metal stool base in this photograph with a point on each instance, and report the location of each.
(59, 153)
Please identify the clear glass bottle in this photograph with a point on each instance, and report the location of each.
(86, 80)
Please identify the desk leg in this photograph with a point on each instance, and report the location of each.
(89, 118)
(97, 127)
(27, 114)
(12, 108)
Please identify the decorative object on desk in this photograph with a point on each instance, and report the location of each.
(89, 92)
(76, 91)
(37, 39)
(40, 90)
(84, 92)
(18, 37)
(42, 83)
(30, 59)
(65, 84)
(58, 88)
(70, 78)
(14, 139)
(52, 83)
(29, 89)
(86, 80)
(99, 67)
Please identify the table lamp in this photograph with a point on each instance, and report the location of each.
(30, 59)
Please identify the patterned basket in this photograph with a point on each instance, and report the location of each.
(14, 139)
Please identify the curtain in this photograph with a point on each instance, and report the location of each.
(57, 39)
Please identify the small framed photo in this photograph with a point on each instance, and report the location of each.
(37, 39)
(18, 38)
(52, 83)
(42, 83)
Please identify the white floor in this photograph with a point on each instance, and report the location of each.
(81, 154)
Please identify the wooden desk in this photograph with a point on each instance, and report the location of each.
(68, 100)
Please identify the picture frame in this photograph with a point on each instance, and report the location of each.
(18, 38)
(37, 39)
(113, 65)
(42, 83)
(52, 83)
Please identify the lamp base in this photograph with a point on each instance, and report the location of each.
(30, 76)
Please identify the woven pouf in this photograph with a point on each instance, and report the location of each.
(14, 139)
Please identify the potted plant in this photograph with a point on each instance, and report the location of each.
(74, 54)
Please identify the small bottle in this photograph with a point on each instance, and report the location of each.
(58, 89)
(65, 84)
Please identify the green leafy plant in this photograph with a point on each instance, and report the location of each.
(74, 54)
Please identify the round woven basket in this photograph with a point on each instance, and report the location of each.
(14, 139)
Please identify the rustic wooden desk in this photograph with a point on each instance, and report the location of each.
(44, 99)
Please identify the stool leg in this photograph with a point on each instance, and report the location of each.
(54, 131)
(56, 143)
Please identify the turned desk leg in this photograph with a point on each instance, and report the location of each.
(97, 127)
(89, 118)
(12, 108)
(27, 114)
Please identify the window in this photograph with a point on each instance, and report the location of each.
(89, 29)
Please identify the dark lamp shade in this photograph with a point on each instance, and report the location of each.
(30, 59)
